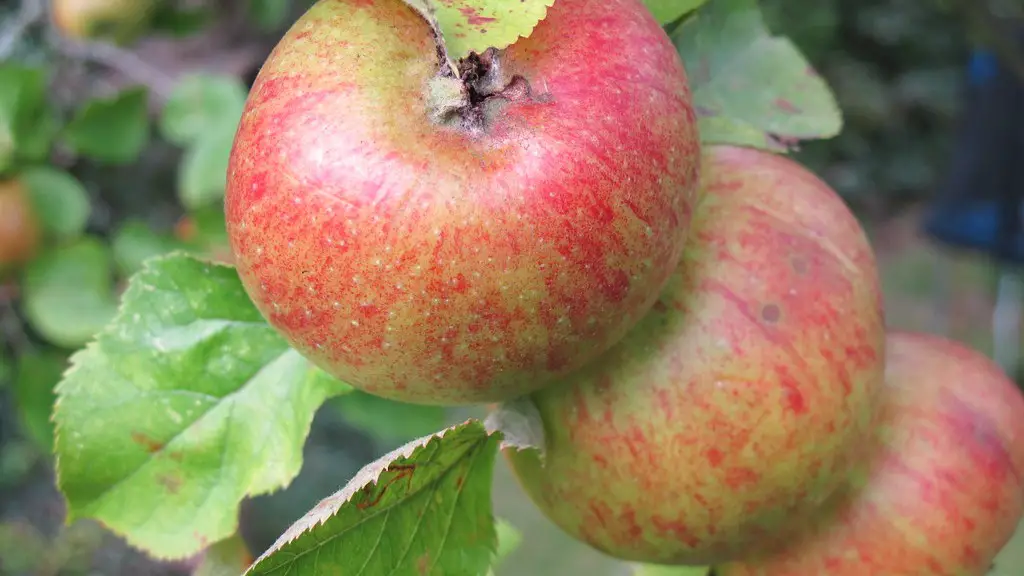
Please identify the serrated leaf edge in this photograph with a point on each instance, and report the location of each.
(427, 10)
(775, 143)
(377, 467)
(74, 361)
(522, 409)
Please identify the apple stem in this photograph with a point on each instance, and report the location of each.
(464, 100)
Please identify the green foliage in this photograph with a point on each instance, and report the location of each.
(897, 69)
(667, 11)
(203, 175)
(6, 367)
(26, 122)
(135, 242)
(202, 103)
(509, 539)
(165, 421)
(387, 419)
(424, 508)
(59, 200)
(185, 402)
(475, 25)
(112, 130)
(181, 20)
(202, 115)
(751, 88)
(68, 292)
(654, 570)
(269, 14)
(229, 557)
(37, 374)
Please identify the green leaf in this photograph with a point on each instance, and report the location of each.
(203, 114)
(23, 549)
(59, 199)
(387, 419)
(135, 242)
(509, 538)
(186, 403)
(37, 376)
(35, 144)
(229, 557)
(68, 292)
(656, 570)
(181, 21)
(112, 130)
(476, 25)
(204, 170)
(751, 88)
(666, 11)
(26, 122)
(6, 367)
(269, 14)
(423, 509)
(200, 104)
(211, 225)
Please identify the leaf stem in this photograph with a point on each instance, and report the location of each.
(124, 61)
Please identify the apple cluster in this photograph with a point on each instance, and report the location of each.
(700, 327)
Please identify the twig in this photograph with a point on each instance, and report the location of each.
(119, 59)
(12, 330)
(31, 12)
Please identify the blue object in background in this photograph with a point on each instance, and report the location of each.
(973, 226)
(982, 67)
(980, 206)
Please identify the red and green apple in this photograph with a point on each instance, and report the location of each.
(741, 403)
(455, 247)
(943, 490)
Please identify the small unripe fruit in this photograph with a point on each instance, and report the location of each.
(120, 21)
(20, 233)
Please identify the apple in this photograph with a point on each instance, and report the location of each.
(20, 233)
(738, 405)
(442, 240)
(119, 20)
(943, 491)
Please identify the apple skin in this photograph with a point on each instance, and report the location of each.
(121, 21)
(737, 406)
(20, 233)
(942, 493)
(436, 265)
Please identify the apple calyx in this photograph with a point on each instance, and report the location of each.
(469, 98)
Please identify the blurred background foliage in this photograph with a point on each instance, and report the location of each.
(139, 117)
(897, 69)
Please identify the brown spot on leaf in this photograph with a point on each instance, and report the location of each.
(474, 18)
(396, 472)
(786, 106)
(147, 443)
(771, 313)
(171, 482)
